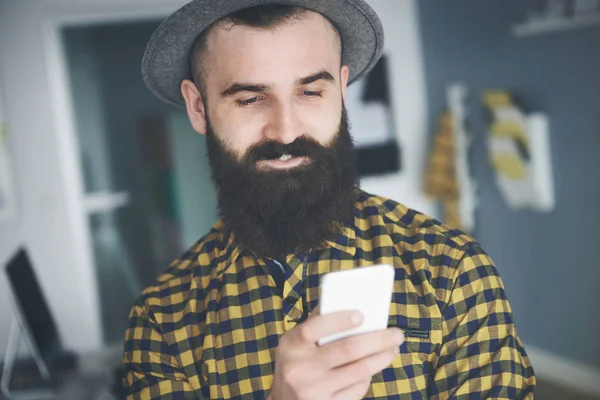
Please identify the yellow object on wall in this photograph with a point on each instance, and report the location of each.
(440, 180)
(518, 147)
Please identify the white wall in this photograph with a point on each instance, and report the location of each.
(50, 221)
(403, 47)
(41, 220)
(42, 224)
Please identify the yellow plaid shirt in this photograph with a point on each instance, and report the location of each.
(209, 327)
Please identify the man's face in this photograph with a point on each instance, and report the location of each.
(271, 85)
(278, 141)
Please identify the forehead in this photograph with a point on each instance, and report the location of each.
(295, 48)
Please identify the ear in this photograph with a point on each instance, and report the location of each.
(194, 105)
(344, 75)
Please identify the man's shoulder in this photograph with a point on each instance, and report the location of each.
(411, 229)
(435, 255)
(189, 270)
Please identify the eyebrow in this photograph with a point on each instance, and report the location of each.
(243, 87)
(321, 75)
(250, 87)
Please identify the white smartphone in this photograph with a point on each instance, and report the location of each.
(366, 289)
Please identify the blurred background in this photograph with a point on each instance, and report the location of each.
(483, 114)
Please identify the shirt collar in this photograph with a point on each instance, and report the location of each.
(345, 242)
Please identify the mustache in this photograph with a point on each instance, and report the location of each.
(303, 146)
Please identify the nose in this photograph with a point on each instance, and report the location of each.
(284, 123)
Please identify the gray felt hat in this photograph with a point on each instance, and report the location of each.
(166, 60)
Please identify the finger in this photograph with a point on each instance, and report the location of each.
(351, 349)
(356, 391)
(319, 326)
(351, 374)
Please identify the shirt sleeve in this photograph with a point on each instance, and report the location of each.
(481, 356)
(151, 372)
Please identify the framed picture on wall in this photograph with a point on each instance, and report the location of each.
(372, 124)
(7, 189)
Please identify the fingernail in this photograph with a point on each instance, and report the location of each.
(356, 318)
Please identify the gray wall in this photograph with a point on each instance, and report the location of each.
(550, 263)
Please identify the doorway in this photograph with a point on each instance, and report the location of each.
(147, 195)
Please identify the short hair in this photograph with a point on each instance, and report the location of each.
(261, 17)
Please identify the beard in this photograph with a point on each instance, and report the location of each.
(274, 213)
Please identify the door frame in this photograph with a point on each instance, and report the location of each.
(54, 20)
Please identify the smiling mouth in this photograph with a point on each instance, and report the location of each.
(286, 161)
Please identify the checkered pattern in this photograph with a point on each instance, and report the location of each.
(209, 327)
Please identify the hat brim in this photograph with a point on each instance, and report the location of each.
(166, 60)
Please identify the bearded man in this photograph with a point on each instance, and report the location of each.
(237, 315)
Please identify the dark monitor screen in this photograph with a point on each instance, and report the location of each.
(34, 313)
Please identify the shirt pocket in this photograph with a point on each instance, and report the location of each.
(422, 333)
(411, 370)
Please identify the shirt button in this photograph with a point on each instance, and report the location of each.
(291, 300)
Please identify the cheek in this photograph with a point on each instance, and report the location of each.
(240, 143)
(324, 124)
(325, 134)
(238, 136)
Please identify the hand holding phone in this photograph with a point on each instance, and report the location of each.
(340, 370)
(366, 289)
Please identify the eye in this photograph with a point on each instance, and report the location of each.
(310, 93)
(248, 102)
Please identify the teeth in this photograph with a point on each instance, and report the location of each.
(285, 157)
